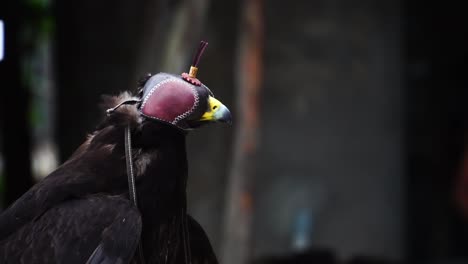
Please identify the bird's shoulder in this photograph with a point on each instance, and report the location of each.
(71, 231)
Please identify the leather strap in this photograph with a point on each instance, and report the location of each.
(130, 172)
(131, 180)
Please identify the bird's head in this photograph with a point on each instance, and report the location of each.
(179, 100)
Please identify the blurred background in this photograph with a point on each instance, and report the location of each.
(349, 141)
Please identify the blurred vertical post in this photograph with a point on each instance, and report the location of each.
(239, 208)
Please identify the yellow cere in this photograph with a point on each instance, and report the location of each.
(213, 106)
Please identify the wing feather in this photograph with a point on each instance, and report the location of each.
(95, 229)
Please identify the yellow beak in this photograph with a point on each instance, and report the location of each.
(216, 112)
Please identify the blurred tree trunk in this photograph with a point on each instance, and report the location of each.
(14, 106)
(239, 207)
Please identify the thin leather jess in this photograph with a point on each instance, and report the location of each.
(131, 180)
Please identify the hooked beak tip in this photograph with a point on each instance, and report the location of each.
(225, 116)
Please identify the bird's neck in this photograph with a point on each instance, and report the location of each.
(161, 193)
(161, 188)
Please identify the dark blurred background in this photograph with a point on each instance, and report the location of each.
(349, 142)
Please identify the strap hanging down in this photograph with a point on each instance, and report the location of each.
(131, 180)
(130, 173)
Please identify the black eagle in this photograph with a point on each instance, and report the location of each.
(81, 212)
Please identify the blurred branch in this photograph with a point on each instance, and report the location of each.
(169, 48)
(238, 218)
(183, 35)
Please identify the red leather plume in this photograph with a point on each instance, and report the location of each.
(191, 77)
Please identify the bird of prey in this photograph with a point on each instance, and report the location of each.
(81, 212)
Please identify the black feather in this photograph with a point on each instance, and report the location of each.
(71, 231)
